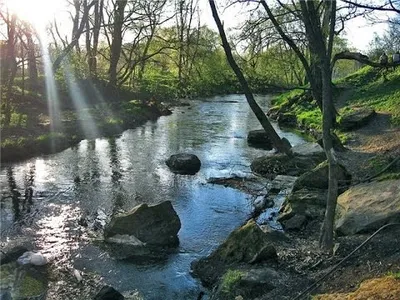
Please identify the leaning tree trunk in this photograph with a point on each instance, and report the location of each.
(280, 144)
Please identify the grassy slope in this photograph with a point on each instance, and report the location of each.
(367, 89)
(370, 89)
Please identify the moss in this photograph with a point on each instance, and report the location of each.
(230, 280)
(31, 287)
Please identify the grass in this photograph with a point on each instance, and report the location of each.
(370, 88)
(395, 275)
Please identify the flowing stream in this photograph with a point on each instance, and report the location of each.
(44, 197)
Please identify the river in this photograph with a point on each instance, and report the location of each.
(44, 197)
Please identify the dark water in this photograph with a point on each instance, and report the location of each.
(44, 197)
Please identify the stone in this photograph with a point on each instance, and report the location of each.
(259, 139)
(33, 258)
(246, 244)
(309, 149)
(108, 293)
(12, 254)
(287, 120)
(318, 178)
(246, 283)
(357, 118)
(282, 182)
(295, 223)
(184, 163)
(368, 206)
(310, 203)
(151, 225)
(281, 164)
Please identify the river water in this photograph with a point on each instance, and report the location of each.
(43, 198)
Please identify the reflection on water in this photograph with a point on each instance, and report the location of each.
(44, 198)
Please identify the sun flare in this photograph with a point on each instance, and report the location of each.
(36, 12)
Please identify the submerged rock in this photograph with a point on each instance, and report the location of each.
(247, 244)
(184, 163)
(259, 139)
(145, 225)
(368, 206)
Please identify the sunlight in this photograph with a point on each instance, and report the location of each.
(85, 117)
(53, 101)
(36, 12)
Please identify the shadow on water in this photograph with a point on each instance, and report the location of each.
(21, 204)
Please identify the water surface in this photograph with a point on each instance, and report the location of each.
(44, 197)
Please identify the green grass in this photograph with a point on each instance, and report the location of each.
(395, 275)
(49, 136)
(13, 142)
(283, 98)
(371, 89)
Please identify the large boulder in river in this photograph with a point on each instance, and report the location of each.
(184, 163)
(259, 139)
(368, 206)
(356, 118)
(319, 178)
(146, 225)
(247, 244)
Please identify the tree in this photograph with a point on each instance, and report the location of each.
(319, 20)
(282, 145)
(116, 44)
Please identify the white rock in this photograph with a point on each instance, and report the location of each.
(34, 258)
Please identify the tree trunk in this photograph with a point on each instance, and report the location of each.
(281, 145)
(10, 68)
(32, 66)
(326, 238)
(116, 44)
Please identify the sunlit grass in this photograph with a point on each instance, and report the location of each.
(370, 88)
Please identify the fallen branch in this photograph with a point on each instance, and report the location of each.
(361, 58)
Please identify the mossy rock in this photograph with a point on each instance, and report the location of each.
(318, 178)
(248, 283)
(305, 202)
(247, 244)
(281, 164)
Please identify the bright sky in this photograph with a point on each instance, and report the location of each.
(358, 31)
(40, 12)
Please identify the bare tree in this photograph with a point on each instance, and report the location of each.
(282, 145)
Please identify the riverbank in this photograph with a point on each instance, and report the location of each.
(94, 111)
(369, 108)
